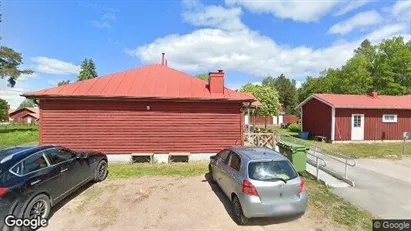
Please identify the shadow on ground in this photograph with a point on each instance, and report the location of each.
(70, 197)
(252, 222)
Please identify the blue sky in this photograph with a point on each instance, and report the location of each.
(247, 39)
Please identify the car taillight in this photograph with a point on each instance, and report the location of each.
(302, 185)
(3, 191)
(249, 188)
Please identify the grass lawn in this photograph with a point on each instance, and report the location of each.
(11, 135)
(119, 170)
(323, 203)
(377, 150)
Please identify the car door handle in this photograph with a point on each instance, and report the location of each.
(63, 170)
(35, 182)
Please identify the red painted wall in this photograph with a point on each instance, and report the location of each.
(316, 118)
(117, 127)
(22, 116)
(260, 120)
(291, 119)
(374, 128)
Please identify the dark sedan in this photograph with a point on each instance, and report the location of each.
(34, 179)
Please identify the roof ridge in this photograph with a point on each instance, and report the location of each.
(183, 86)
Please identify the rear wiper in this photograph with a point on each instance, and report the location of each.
(276, 179)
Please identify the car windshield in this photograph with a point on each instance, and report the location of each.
(271, 170)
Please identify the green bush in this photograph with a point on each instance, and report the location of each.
(294, 128)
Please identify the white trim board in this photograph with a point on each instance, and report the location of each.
(332, 123)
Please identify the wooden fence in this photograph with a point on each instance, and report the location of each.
(262, 139)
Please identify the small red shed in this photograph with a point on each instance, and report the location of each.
(370, 117)
(152, 109)
(28, 115)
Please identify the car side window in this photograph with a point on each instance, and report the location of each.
(222, 156)
(57, 156)
(32, 163)
(235, 162)
(227, 160)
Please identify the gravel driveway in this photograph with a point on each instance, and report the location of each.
(161, 203)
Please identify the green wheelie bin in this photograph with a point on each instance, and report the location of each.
(296, 153)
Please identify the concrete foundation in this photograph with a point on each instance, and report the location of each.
(160, 158)
(200, 157)
(119, 158)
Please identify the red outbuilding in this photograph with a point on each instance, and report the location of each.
(152, 109)
(26, 115)
(370, 117)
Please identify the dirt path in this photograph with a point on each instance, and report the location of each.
(161, 203)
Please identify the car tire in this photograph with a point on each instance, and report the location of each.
(101, 171)
(210, 175)
(239, 217)
(40, 205)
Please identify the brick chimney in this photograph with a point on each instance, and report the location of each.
(374, 94)
(216, 82)
(162, 58)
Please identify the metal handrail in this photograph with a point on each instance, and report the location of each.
(317, 164)
(347, 161)
(333, 156)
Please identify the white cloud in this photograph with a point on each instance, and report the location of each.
(352, 5)
(402, 10)
(298, 84)
(359, 20)
(12, 96)
(105, 21)
(388, 31)
(297, 10)
(26, 77)
(55, 66)
(246, 51)
(100, 24)
(250, 52)
(108, 17)
(212, 16)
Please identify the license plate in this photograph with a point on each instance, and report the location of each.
(286, 207)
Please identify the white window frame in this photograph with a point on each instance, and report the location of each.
(384, 120)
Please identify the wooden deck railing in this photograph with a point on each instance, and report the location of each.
(262, 139)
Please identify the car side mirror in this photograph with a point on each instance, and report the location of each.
(81, 156)
(214, 157)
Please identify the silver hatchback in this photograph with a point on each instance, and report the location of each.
(260, 183)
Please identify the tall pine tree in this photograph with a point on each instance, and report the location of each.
(87, 70)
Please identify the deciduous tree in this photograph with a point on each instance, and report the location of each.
(10, 62)
(4, 110)
(27, 103)
(203, 76)
(267, 96)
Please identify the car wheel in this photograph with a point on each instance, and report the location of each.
(211, 175)
(101, 171)
(239, 217)
(38, 206)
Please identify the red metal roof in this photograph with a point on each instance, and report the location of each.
(34, 111)
(153, 81)
(363, 101)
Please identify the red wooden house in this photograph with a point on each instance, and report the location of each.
(342, 118)
(152, 109)
(26, 115)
